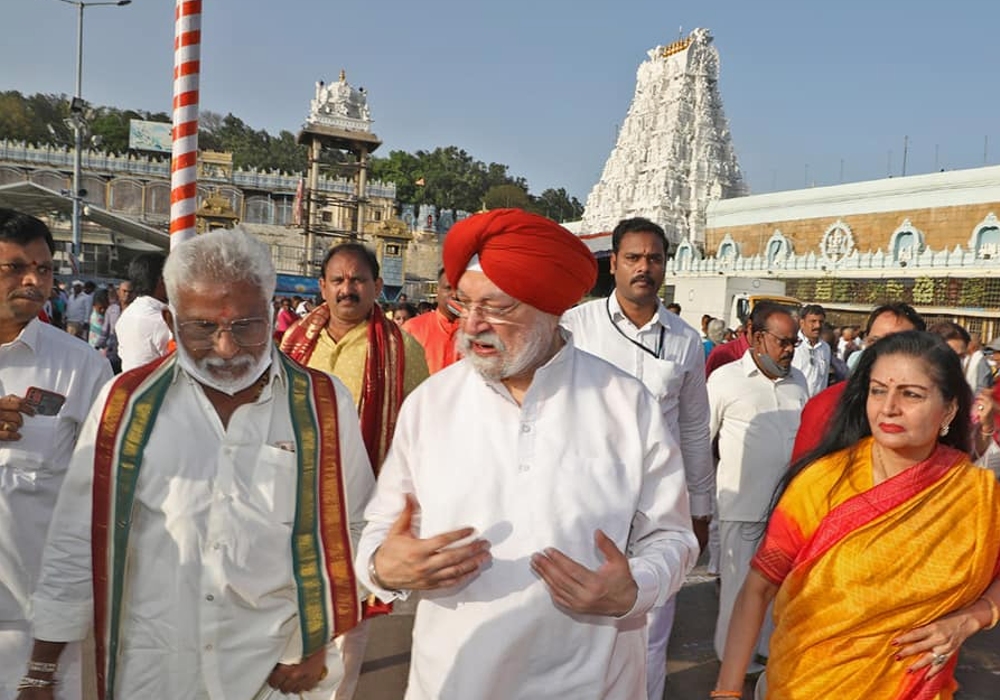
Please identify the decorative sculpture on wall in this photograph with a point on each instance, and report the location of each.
(838, 241)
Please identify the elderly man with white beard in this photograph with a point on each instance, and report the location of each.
(533, 494)
(217, 490)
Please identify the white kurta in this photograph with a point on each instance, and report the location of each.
(756, 419)
(814, 362)
(673, 370)
(32, 468)
(588, 449)
(211, 604)
(142, 333)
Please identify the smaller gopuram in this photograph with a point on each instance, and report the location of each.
(339, 119)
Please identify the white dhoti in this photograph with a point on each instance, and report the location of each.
(738, 543)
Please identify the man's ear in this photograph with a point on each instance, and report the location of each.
(168, 318)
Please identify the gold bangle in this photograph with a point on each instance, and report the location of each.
(726, 694)
(994, 613)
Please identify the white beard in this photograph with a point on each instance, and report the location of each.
(240, 372)
(535, 349)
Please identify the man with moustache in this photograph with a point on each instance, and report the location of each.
(533, 493)
(35, 441)
(756, 403)
(204, 525)
(349, 337)
(812, 356)
(632, 330)
(435, 331)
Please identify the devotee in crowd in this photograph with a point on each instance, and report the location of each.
(714, 335)
(756, 403)
(284, 319)
(890, 496)
(812, 356)
(125, 294)
(424, 307)
(246, 474)
(403, 312)
(977, 370)
(848, 343)
(632, 330)
(349, 337)
(435, 331)
(883, 321)
(537, 556)
(674, 308)
(96, 335)
(729, 351)
(838, 371)
(49, 381)
(78, 306)
(143, 335)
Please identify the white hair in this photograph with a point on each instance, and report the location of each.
(716, 330)
(229, 256)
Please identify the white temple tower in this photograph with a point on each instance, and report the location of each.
(674, 152)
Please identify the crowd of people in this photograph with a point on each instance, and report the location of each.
(531, 476)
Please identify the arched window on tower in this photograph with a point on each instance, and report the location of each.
(985, 241)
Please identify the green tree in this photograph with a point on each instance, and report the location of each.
(505, 196)
(558, 205)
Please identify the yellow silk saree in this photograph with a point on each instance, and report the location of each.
(859, 564)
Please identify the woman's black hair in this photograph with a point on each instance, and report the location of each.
(849, 423)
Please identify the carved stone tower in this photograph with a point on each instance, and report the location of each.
(674, 152)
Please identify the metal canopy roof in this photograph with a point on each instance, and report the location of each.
(42, 202)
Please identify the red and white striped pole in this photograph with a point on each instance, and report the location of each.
(184, 158)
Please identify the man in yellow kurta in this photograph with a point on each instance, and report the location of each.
(349, 337)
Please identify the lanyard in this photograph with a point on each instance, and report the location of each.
(659, 343)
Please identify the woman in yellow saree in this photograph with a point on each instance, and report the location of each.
(882, 553)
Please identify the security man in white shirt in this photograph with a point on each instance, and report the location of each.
(813, 355)
(49, 380)
(632, 330)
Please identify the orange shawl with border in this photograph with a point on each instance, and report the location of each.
(858, 565)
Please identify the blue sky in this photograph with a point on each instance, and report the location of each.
(541, 85)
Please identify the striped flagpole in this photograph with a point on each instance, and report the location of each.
(184, 159)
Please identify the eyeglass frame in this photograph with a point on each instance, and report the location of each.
(464, 309)
(212, 338)
(784, 342)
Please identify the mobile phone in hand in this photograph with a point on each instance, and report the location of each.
(45, 402)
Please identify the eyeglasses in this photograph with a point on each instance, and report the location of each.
(246, 332)
(19, 269)
(785, 342)
(489, 313)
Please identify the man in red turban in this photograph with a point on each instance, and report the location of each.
(534, 467)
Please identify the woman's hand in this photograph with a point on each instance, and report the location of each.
(933, 645)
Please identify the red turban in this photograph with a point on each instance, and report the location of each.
(532, 258)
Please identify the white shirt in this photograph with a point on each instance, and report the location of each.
(32, 468)
(814, 362)
(755, 419)
(977, 371)
(672, 367)
(142, 333)
(587, 449)
(78, 307)
(211, 604)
